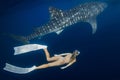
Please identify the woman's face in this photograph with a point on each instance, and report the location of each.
(76, 52)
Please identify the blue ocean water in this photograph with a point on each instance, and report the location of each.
(100, 55)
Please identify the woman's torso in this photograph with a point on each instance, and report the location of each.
(67, 58)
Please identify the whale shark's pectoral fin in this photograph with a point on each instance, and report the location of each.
(58, 32)
(54, 12)
(93, 23)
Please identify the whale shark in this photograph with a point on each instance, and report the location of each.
(59, 19)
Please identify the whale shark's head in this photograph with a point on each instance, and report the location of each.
(96, 7)
(102, 6)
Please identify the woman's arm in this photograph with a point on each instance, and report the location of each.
(69, 64)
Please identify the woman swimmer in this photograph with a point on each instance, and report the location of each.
(58, 60)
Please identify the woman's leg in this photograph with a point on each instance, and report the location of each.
(48, 56)
(42, 66)
(52, 64)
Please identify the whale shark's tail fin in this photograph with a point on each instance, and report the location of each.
(18, 70)
(21, 39)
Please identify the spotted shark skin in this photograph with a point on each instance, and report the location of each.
(59, 20)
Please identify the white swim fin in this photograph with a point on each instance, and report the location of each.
(27, 48)
(18, 70)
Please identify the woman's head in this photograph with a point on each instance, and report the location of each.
(76, 52)
(74, 55)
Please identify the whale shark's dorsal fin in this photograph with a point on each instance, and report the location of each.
(54, 12)
(93, 23)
